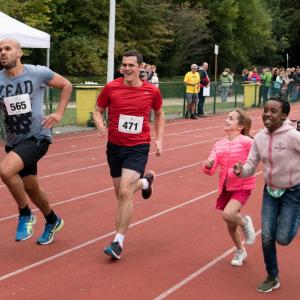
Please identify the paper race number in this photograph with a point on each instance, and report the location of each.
(19, 104)
(130, 124)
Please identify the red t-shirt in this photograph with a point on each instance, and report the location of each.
(129, 111)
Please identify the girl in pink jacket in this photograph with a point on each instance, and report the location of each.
(234, 191)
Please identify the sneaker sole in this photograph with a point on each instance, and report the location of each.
(277, 286)
(60, 227)
(112, 254)
(30, 235)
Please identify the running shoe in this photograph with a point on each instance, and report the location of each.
(193, 116)
(25, 227)
(49, 232)
(239, 257)
(148, 192)
(248, 230)
(268, 285)
(114, 250)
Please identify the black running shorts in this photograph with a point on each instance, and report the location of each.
(30, 151)
(132, 158)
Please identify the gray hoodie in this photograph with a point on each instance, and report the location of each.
(280, 153)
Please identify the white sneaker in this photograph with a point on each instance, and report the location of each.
(248, 230)
(239, 257)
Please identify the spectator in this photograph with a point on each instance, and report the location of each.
(192, 82)
(154, 79)
(204, 82)
(253, 75)
(266, 78)
(226, 81)
(245, 74)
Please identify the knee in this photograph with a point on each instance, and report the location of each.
(227, 216)
(124, 194)
(4, 174)
(283, 240)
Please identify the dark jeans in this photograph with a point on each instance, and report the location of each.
(200, 102)
(280, 222)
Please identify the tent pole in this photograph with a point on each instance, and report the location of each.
(47, 88)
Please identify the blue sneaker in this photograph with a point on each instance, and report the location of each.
(49, 232)
(114, 250)
(25, 227)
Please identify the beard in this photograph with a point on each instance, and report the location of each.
(9, 65)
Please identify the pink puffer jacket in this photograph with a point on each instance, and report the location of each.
(226, 153)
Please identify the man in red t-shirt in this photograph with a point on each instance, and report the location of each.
(129, 101)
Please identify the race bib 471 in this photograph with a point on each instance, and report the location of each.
(18, 104)
(130, 124)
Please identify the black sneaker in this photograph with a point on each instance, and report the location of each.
(114, 250)
(268, 285)
(150, 177)
(193, 116)
(186, 115)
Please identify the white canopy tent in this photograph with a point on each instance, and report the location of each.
(28, 37)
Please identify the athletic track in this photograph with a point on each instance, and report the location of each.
(177, 247)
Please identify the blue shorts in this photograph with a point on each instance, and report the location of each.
(122, 157)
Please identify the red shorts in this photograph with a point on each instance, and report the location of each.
(239, 195)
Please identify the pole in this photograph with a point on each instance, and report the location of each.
(287, 60)
(216, 66)
(111, 40)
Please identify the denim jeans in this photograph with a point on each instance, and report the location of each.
(280, 222)
(224, 93)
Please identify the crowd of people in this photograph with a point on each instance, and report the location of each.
(129, 101)
(276, 82)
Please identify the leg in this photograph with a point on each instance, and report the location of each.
(36, 194)
(288, 225)
(270, 214)
(233, 217)
(129, 183)
(10, 167)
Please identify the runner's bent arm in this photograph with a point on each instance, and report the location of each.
(159, 124)
(65, 86)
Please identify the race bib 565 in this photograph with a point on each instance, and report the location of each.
(19, 104)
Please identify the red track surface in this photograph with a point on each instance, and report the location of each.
(177, 246)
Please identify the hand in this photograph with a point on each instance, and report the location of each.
(50, 120)
(158, 146)
(209, 163)
(102, 131)
(237, 168)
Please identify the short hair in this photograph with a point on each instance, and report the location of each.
(285, 105)
(139, 57)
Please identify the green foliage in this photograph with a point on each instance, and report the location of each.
(169, 33)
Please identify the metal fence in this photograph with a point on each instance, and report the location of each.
(174, 102)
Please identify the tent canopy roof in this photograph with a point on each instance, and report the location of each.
(28, 37)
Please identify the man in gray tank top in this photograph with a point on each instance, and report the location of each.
(27, 135)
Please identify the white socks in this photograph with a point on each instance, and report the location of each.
(145, 184)
(119, 238)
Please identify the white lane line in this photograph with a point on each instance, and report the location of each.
(103, 146)
(87, 243)
(198, 272)
(102, 191)
(105, 163)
